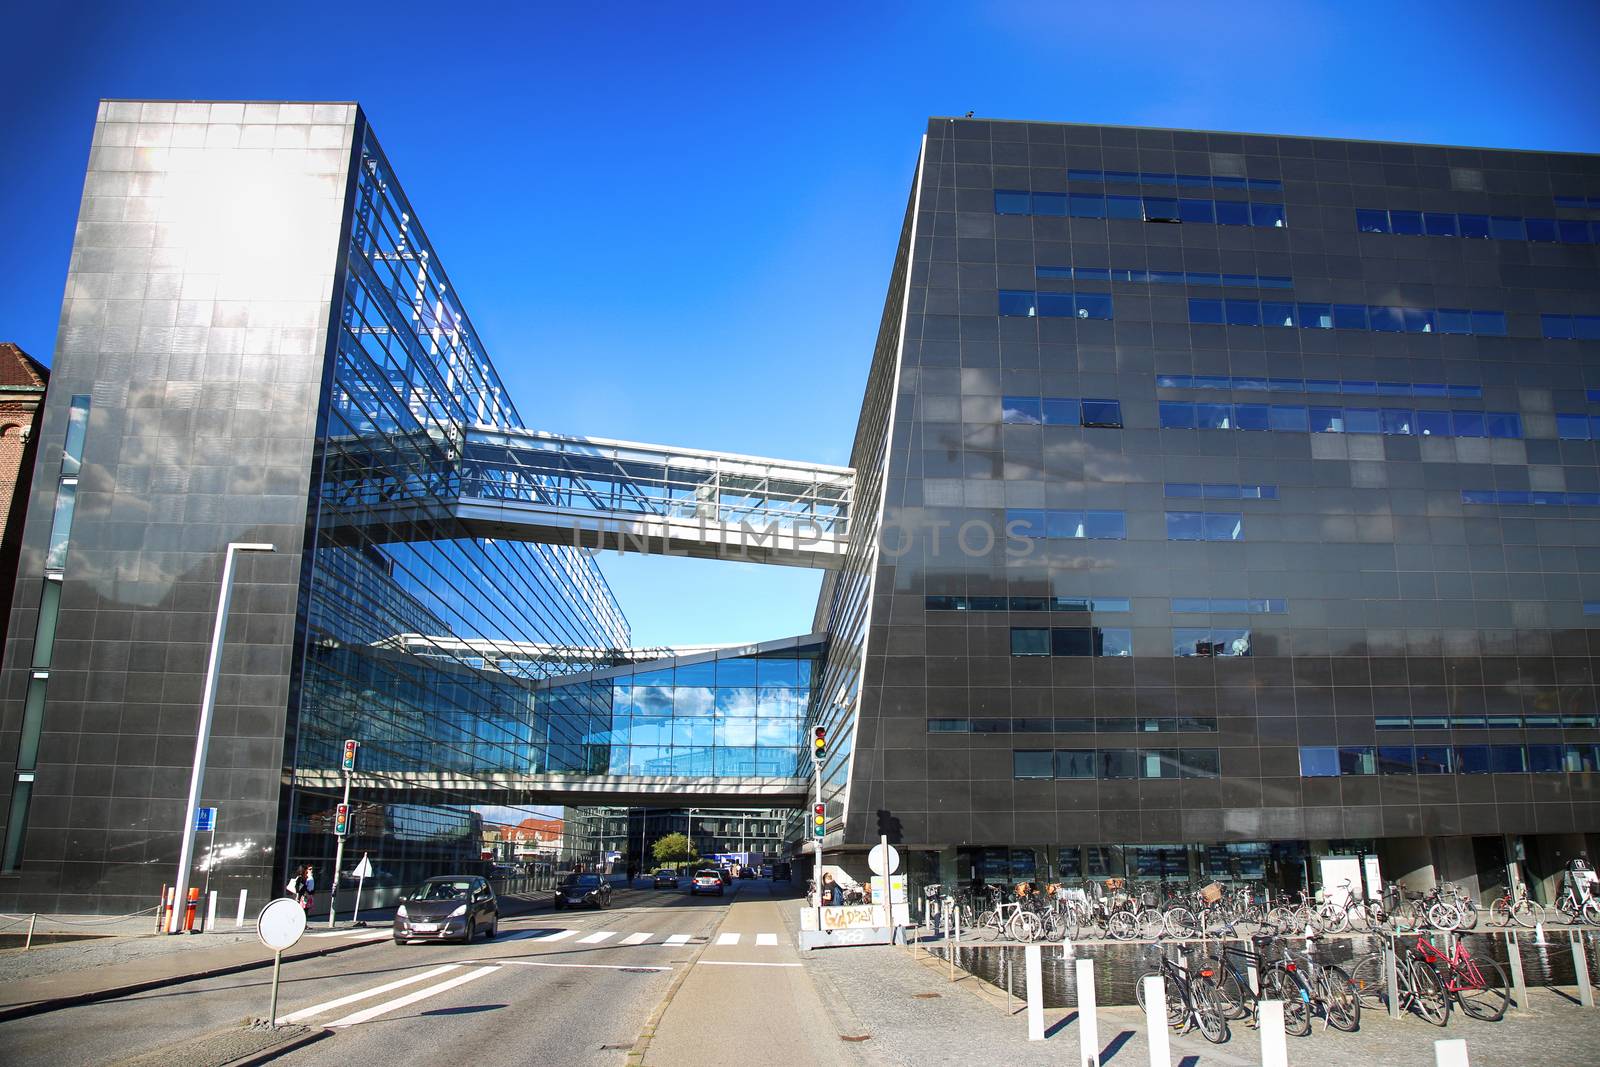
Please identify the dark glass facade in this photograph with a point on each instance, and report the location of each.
(1417, 573)
(259, 344)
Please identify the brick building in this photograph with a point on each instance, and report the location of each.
(22, 385)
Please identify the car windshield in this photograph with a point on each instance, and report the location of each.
(585, 880)
(442, 890)
(666, 872)
(709, 874)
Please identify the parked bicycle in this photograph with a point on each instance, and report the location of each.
(1418, 986)
(1477, 984)
(1191, 1000)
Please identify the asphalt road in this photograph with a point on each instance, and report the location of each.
(573, 987)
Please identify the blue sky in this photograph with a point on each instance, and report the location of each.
(674, 223)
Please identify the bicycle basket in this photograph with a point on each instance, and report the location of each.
(1211, 893)
(1148, 899)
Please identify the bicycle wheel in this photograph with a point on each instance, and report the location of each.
(1230, 992)
(1122, 926)
(1289, 987)
(1368, 982)
(1591, 912)
(1180, 923)
(1481, 989)
(1068, 920)
(987, 928)
(1524, 912)
(1025, 926)
(1359, 918)
(1177, 1000)
(1423, 991)
(1331, 917)
(1500, 912)
(1152, 924)
(1209, 1013)
(1339, 1001)
(1469, 915)
(1280, 919)
(1444, 915)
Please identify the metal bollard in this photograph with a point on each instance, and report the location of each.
(1451, 1052)
(1155, 1019)
(1391, 978)
(1033, 969)
(1274, 1040)
(1519, 984)
(238, 920)
(33, 917)
(1088, 1016)
(1005, 972)
(211, 911)
(1580, 968)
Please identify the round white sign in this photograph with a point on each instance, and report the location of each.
(876, 860)
(281, 923)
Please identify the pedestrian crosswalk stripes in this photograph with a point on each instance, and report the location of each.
(596, 937)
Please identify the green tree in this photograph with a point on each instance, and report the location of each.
(673, 850)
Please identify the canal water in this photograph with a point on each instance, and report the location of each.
(1118, 964)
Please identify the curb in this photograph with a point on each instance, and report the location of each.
(73, 1000)
(647, 1033)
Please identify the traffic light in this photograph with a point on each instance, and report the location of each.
(819, 820)
(819, 744)
(341, 820)
(350, 755)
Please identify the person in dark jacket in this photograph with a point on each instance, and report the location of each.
(832, 895)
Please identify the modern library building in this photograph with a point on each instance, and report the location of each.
(1220, 506)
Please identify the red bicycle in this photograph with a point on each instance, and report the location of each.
(1478, 985)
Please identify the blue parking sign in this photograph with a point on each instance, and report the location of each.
(205, 819)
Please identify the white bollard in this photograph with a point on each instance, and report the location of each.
(1034, 973)
(1450, 1053)
(1274, 1042)
(211, 911)
(1088, 1016)
(238, 920)
(1155, 1019)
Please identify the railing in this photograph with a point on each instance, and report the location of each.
(612, 477)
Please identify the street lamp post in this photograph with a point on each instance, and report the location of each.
(692, 812)
(202, 739)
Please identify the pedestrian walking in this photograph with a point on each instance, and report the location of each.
(309, 883)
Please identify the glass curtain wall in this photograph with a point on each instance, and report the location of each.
(393, 592)
(713, 715)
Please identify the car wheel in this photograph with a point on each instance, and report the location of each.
(494, 929)
(558, 905)
(399, 940)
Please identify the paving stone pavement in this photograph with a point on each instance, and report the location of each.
(883, 992)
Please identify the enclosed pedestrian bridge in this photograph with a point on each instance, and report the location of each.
(588, 492)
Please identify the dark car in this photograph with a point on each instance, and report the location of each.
(578, 889)
(450, 908)
(707, 880)
(726, 875)
(666, 878)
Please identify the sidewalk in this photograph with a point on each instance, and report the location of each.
(734, 1002)
(53, 976)
(916, 1015)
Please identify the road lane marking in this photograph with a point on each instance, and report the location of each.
(743, 963)
(559, 935)
(637, 939)
(592, 966)
(411, 998)
(318, 1009)
(597, 937)
(727, 939)
(677, 939)
(766, 939)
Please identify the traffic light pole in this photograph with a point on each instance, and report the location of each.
(817, 838)
(338, 859)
